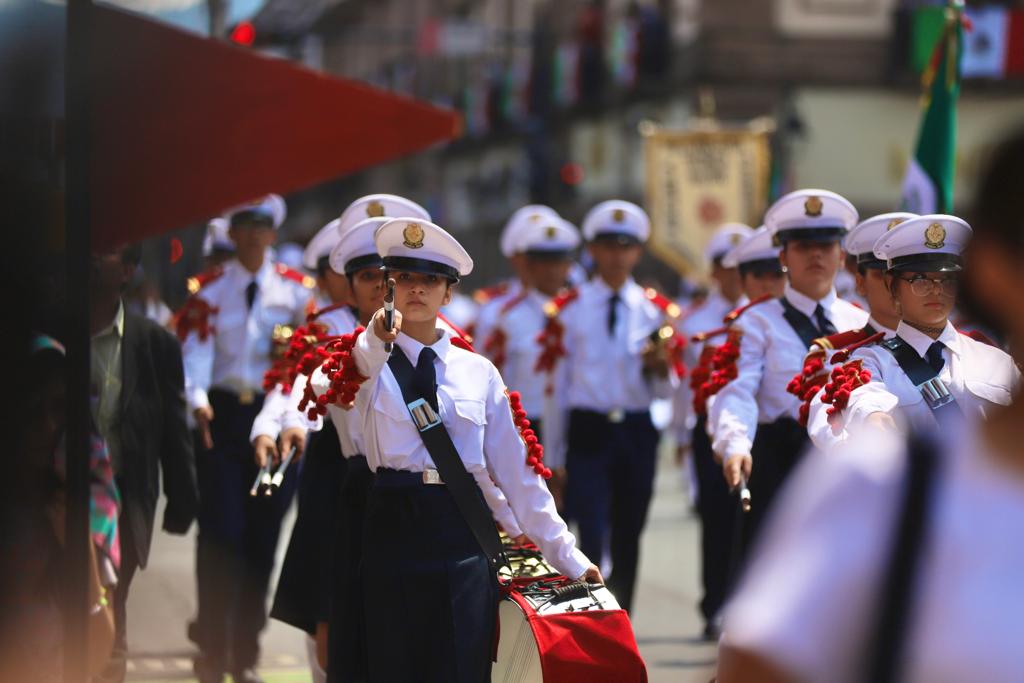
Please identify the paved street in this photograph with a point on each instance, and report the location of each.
(667, 623)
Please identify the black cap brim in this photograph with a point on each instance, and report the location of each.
(252, 218)
(620, 238)
(549, 254)
(926, 263)
(761, 267)
(420, 265)
(354, 265)
(820, 235)
(869, 260)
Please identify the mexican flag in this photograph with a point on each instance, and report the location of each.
(928, 184)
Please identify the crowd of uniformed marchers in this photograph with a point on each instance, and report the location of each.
(858, 480)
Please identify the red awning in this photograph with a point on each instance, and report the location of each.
(184, 127)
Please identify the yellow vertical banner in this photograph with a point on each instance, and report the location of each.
(698, 179)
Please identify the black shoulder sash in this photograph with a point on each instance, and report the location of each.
(801, 324)
(936, 393)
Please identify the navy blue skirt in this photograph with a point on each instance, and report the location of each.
(429, 596)
(303, 590)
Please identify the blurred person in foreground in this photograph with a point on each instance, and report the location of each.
(138, 387)
(892, 558)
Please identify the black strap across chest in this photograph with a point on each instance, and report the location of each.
(887, 640)
(801, 324)
(445, 455)
(922, 374)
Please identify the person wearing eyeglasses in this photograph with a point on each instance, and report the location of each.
(929, 371)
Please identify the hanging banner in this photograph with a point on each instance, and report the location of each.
(697, 180)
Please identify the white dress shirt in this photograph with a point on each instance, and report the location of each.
(706, 317)
(487, 314)
(771, 354)
(605, 371)
(978, 376)
(818, 428)
(521, 323)
(807, 601)
(236, 353)
(475, 411)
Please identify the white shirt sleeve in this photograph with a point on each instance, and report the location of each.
(869, 398)
(528, 496)
(811, 589)
(197, 357)
(268, 421)
(734, 411)
(291, 416)
(818, 427)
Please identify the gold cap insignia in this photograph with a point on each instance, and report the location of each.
(618, 215)
(893, 223)
(412, 236)
(374, 209)
(813, 206)
(551, 232)
(935, 236)
(535, 217)
(735, 239)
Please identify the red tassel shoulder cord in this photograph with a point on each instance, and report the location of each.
(550, 338)
(534, 451)
(338, 364)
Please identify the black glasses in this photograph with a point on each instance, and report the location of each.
(924, 286)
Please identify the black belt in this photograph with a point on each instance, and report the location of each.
(616, 416)
(243, 398)
(401, 478)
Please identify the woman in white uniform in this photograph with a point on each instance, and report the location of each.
(893, 561)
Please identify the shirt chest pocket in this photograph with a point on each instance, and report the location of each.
(991, 393)
(398, 434)
(467, 428)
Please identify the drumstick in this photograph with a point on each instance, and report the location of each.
(389, 310)
(264, 470)
(275, 482)
(744, 494)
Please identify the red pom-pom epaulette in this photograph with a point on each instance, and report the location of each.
(298, 358)
(197, 282)
(463, 343)
(294, 275)
(336, 361)
(806, 384)
(485, 294)
(316, 313)
(723, 364)
(455, 328)
(550, 338)
(699, 376)
(495, 344)
(534, 451)
(667, 306)
(836, 393)
(731, 316)
(194, 316)
(842, 355)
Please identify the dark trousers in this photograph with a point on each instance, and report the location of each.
(114, 671)
(304, 586)
(717, 508)
(346, 633)
(430, 598)
(611, 469)
(237, 539)
(778, 448)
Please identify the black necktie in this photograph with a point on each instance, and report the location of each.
(426, 376)
(934, 356)
(613, 300)
(250, 294)
(825, 325)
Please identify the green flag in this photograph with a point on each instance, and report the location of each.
(928, 184)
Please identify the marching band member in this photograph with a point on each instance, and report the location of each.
(226, 327)
(614, 371)
(891, 561)
(429, 587)
(883, 317)
(547, 248)
(754, 418)
(492, 299)
(714, 504)
(929, 371)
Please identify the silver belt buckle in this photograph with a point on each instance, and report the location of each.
(432, 477)
(423, 415)
(246, 397)
(616, 416)
(935, 393)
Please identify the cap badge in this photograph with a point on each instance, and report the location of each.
(551, 232)
(535, 217)
(374, 209)
(813, 206)
(893, 223)
(735, 239)
(618, 215)
(412, 236)
(935, 236)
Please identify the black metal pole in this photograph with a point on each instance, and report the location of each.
(77, 71)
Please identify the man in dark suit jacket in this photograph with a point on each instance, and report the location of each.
(139, 385)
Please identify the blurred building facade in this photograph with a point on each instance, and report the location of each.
(552, 93)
